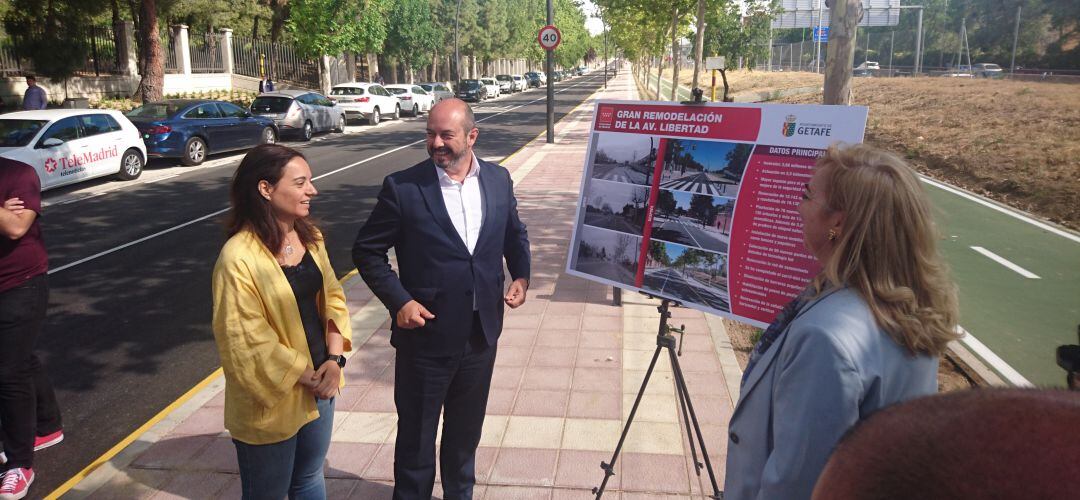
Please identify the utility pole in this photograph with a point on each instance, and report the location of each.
(1016, 34)
(844, 18)
(549, 67)
(817, 55)
(457, 51)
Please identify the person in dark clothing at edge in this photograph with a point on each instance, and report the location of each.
(29, 416)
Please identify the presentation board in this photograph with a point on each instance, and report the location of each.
(698, 203)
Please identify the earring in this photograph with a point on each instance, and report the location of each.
(832, 235)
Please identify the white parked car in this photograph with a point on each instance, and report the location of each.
(520, 83)
(506, 84)
(414, 99)
(66, 146)
(493, 89)
(369, 101)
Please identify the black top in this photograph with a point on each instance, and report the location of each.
(306, 281)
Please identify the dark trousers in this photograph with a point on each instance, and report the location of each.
(24, 386)
(458, 385)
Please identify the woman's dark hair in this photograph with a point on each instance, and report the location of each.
(250, 210)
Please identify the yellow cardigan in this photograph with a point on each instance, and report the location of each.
(261, 339)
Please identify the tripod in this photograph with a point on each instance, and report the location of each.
(664, 340)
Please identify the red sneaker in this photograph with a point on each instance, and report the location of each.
(16, 482)
(42, 442)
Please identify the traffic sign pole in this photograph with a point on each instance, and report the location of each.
(549, 39)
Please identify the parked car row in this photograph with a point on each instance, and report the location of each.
(66, 146)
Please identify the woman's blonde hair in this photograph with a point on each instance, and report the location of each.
(887, 247)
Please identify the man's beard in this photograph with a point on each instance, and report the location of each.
(453, 160)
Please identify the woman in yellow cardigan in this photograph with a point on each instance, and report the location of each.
(281, 328)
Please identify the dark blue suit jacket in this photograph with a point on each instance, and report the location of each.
(434, 265)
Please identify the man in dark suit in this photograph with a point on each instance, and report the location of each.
(451, 220)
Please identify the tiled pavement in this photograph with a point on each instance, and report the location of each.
(568, 368)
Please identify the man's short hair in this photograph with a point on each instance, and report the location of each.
(31, 78)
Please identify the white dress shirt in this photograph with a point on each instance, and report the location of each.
(464, 203)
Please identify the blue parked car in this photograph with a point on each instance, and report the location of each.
(191, 129)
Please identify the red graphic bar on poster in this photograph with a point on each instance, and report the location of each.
(727, 123)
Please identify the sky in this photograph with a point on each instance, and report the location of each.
(592, 23)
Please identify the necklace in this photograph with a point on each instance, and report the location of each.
(288, 250)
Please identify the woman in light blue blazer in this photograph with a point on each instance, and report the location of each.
(866, 333)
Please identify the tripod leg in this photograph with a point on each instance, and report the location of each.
(680, 384)
(686, 417)
(609, 467)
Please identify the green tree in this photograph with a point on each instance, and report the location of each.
(53, 35)
(412, 35)
(357, 26)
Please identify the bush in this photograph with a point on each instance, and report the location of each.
(240, 98)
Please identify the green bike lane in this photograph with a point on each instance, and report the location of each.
(1021, 320)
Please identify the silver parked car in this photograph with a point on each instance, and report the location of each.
(438, 90)
(300, 112)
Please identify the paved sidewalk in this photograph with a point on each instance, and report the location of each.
(568, 367)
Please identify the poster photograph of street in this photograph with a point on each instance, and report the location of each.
(615, 206)
(695, 220)
(627, 158)
(607, 254)
(704, 167)
(689, 275)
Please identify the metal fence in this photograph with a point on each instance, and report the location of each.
(206, 55)
(168, 48)
(258, 58)
(102, 56)
(10, 64)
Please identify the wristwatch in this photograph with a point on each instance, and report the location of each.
(337, 358)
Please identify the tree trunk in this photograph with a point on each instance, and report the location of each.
(844, 18)
(280, 8)
(699, 42)
(152, 85)
(255, 28)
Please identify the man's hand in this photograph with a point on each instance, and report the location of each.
(15, 205)
(515, 294)
(413, 315)
(328, 377)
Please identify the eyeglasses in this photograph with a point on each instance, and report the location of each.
(806, 192)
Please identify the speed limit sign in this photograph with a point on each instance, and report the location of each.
(549, 37)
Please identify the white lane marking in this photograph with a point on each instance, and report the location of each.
(136, 242)
(1005, 262)
(1012, 213)
(219, 212)
(999, 365)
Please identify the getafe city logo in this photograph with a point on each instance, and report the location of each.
(793, 127)
(789, 126)
(50, 165)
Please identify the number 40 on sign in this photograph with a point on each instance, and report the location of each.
(549, 37)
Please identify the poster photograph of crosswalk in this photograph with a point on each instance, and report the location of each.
(626, 158)
(704, 167)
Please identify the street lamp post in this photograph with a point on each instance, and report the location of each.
(457, 50)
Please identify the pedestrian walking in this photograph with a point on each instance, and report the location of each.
(865, 334)
(281, 326)
(451, 220)
(35, 97)
(25, 389)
